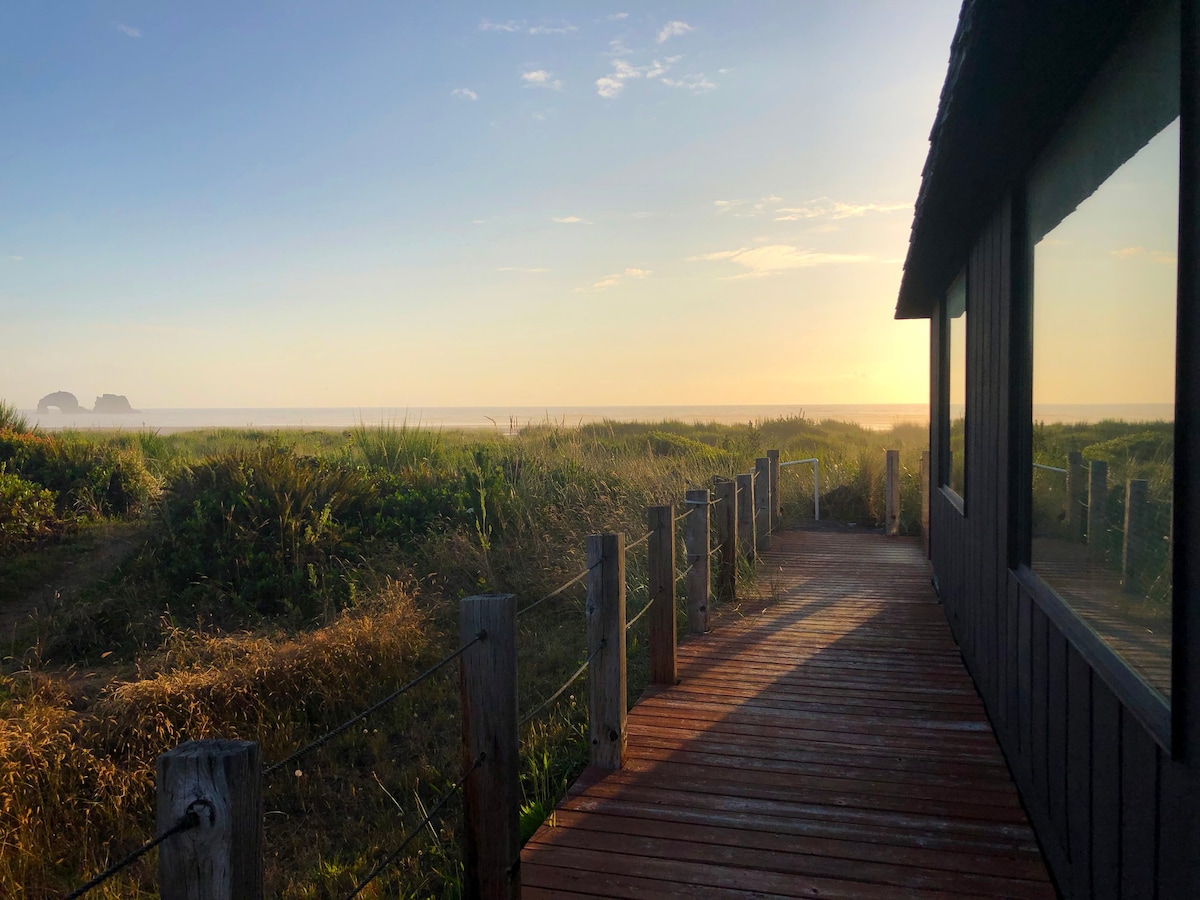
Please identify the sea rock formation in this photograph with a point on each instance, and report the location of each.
(63, 401)
(113, 403)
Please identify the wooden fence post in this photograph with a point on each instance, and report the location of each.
(747, 538)
(925, 487)
(1077, 485)
(776, 505)
(892, 491)
(1132, 552)
(725, 490)
(699, 577)
(1097, 522)
(762, 503)
(492, 793)
(222, 857)
(660, 556)
(606, 639)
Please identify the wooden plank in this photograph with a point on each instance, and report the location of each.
(1079, 772)
(1106, 792)
(607, 733)
(1139, 810)
(660, 574)
(697, 546)
(828, 743)
(219, 782)
(492, 794)
(1056, 729)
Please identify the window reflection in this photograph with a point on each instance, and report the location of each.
(1103, 216)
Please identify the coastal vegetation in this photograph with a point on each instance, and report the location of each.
(271, 584)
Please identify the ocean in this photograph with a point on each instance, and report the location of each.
(510, 418)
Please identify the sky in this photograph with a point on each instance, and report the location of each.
(397, 204)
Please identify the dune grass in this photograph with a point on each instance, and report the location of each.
(94, 690)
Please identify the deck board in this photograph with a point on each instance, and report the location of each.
(827, 742)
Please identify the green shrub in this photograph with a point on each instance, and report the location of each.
(27, 514)
(417, 499)
(88, 478)
(266, 526)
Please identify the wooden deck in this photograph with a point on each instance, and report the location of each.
(828, 744)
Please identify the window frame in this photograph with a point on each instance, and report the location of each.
(956, 499)
(1161, 717)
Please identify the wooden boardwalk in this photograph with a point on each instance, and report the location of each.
(827, 744)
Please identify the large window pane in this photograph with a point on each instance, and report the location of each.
(956, 329)
(1104, 221)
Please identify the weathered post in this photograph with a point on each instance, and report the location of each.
(1077, 485)
(660, 554)
(725, 490)
(696, 543)
(762, 503)
(491, 793)
(776, 504)
(892, 491)
(1097, 524)
(925, 500)
(747, 537)
(606, 640)
(1133, 550)
(221, 857)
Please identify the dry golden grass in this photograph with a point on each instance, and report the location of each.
(76, 775)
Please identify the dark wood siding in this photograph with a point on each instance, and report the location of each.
(1113, 810)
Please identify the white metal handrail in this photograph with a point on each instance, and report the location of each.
(816, 464)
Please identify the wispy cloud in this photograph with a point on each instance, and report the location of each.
(541, 78)
(613, 83)
(15, 258)
(128, 30)
(1156, 256)
(523, 270)
(697, 82)
(569, 220)
(825, 208)
(775, 258)
(511, 26)
(617, 17)
(673, 29)
(465, 93)
(614, 279)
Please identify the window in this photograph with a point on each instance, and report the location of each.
(955, 419)
(1103, 207)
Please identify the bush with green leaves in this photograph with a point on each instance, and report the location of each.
(90, 479)
(28, 517)
(266, 526)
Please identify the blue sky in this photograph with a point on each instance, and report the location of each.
(369, 203)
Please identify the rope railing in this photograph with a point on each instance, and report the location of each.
(390, 858)
(645, 609)
(187, 821)
(489, 695)
(374, 708)
(645, 537)
(1047, 468)
(556, 592)
(570, 681)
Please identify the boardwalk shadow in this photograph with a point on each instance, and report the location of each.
(829, 743)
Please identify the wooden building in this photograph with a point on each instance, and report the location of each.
(1056, 253)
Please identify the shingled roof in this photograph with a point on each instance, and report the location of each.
(1016, 67)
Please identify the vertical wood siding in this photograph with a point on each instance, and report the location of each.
(1108, 803)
